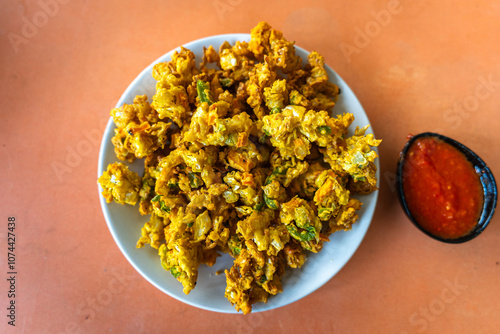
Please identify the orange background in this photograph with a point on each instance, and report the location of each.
(415, 67)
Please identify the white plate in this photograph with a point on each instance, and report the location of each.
(125, 222)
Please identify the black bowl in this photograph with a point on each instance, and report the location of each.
(485, 175)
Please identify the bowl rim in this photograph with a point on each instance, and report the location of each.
(488, 183)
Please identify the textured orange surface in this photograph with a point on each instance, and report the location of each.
(415, 66)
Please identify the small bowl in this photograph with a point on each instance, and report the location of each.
(487, 180)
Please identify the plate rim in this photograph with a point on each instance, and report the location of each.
(369, 212)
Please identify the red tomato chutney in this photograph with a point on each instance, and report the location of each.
(442, 189)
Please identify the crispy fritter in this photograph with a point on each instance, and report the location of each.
(244, 156)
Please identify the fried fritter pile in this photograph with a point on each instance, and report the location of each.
(241, 156)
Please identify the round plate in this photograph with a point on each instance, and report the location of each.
(125, 222)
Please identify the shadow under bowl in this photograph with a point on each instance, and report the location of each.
(485, 175)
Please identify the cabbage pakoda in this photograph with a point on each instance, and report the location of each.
(242, 155)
